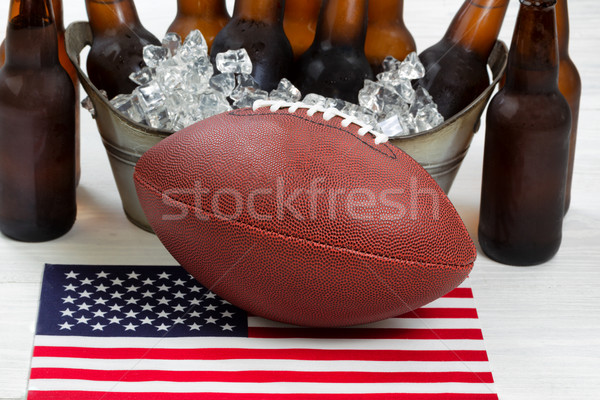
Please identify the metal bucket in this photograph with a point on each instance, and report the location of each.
(125, 141)
(440, 150)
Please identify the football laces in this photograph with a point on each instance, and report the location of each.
(326, 113)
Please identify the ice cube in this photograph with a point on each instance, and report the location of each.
(198, 75)
(249, 96)
(338, 104)
(154, 55)
(422, 99)
(129, 106)
(224, 83)
(428, 117)
(314, 99)
(409, 120)
(142, 76)
(371, 96)
(194, 47)
(158, 118)
(88, 105)
(172, 42)
(244, 81)
(150, 96)
(236, 61)
(196, 40)
(170, 76)
(211, 103)
(394, 127)
(412, 68)
(247, 80)
(365, 115)
(405, 90)
(180, 121)
(178, 102)
(285, 91)
(379, 98)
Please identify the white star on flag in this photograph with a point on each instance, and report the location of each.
(67, 313)
(98, 327)
(117, 281)
(133, 275)
(148, 281)
(130, 327)
(65, 325)
(163, 327)
(101, 288)
(71, 275)
(227, 327)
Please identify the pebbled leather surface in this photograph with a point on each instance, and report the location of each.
(301, 220)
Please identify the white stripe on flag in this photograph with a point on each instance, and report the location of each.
(451, 302)
(254, 343)
(258, 365)
(278, 388)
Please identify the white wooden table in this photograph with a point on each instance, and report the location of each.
(541, 324)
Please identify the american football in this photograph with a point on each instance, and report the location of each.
(303, 215)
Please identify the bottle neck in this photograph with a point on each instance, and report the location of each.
(267, 11)
(57, 7)
(202, 8)
(562, 27)
(386, 12)
(109, 16)
(533, 57)
(302, 10)
(477, 24)
(343, 22)
(31, 36)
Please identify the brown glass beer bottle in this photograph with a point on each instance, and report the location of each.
(300, 23)
(526, 147)
(335, 64)
(208, 16)
(387, 34)
(569, 83)
(119, 39)
(37, 129)
(257, 26)
(68, 66)
(457, 65)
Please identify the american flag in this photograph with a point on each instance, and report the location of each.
(153, 332)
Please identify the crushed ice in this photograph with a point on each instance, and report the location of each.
(179, 87)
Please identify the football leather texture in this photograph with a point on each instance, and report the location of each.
(303, 217)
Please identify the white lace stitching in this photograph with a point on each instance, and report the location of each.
(328, 114)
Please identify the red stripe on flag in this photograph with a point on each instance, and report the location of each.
(75, 395)
(269, 354)
(460, 293)
(260, 376)
(363, 333)
(470, 313)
